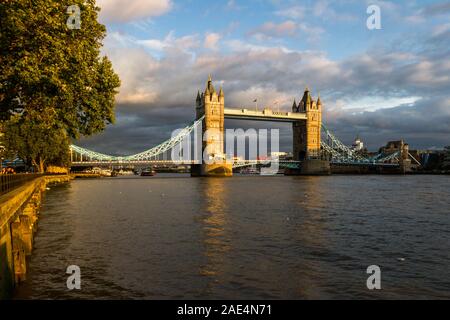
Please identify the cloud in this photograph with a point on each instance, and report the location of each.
(286, 29)
(211, 41)
(320, 9)
(423, 14)
(129, 10)
(384, 5)
(158, 95)
(384, 93)
(437, 9)
(421, 123)
(441, 30)
(295, 12)
(232, 5)
(185, 43)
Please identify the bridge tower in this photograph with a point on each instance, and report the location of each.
(404, 160)
(211, 105)
(307, 136)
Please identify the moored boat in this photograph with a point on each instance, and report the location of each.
(148, 172)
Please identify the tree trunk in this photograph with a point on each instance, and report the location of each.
(35, 165)
(41, 165)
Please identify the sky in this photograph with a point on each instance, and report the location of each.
(381, 84)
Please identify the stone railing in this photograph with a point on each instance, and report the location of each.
(19, 212)
(9, 182)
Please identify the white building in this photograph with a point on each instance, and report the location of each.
(358, 145)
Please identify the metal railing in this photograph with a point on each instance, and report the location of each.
(9, 182)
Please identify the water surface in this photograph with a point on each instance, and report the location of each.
(279, 237)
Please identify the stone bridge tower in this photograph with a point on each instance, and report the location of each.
(307, 136)
(212, 104)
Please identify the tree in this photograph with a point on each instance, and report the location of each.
(37, 139)
(45, 66)
(2, 144)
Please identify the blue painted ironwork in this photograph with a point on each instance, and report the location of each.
(337, 152)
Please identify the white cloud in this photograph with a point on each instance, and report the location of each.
(185, 43)
(129, 10)
(295, 12)
(377, 103)
(441, 29)
(211, 41)
(147, 66)
(286, 29)
(162, 75)
(242, 46)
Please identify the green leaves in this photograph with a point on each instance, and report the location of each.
(36, 138)
(55, 76)
(46, 64)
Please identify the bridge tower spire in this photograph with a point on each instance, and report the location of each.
(212, 105)
(307, 136)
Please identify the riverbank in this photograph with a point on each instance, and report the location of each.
(19, 210)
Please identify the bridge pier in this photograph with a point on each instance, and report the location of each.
(19, 252)
(212, 170)
(307, 138)
(212, 106)
(315, 167)
(404, 161)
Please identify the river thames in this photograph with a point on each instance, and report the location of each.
(252, 237)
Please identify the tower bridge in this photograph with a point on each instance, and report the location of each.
(264, 115)
(306, 118)
(315, 148)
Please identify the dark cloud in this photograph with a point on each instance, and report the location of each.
(423, 125)
(158, 95)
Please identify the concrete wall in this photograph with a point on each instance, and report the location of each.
(19, 211)
(364, 169)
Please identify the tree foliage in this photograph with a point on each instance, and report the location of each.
(2, 143)
(37, 139)
(52, 73)
(43, 63)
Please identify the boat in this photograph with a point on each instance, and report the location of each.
(148, 172)
(250, 170)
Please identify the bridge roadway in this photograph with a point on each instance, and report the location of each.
(263, 115)
(236, 164)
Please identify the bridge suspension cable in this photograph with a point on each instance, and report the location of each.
(143, 156)
(339, 152)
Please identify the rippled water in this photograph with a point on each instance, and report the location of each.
(244, 237)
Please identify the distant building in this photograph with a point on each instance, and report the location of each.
(393, 146)
(358, 145)
(446, 162)
(431, 159)
(279, 154)
(410, 159)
